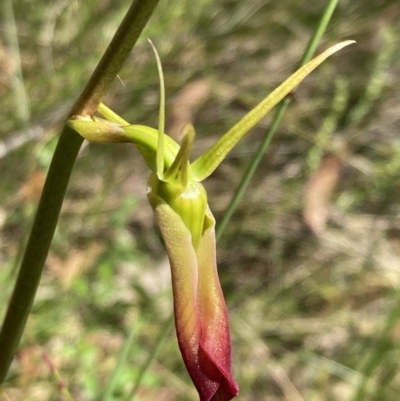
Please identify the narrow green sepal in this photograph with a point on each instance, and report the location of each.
(178, 173)
(111, 115)
(161, 116)
(210, 160)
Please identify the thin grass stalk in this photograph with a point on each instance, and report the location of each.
(269, 134)
(329, 124)
(379, 352)
(57, 180)
(123, 356)
(167, 326)
(377, 80)
(17, 83)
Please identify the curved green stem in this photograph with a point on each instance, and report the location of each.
(57, 180)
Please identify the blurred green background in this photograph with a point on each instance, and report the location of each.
(309, 263)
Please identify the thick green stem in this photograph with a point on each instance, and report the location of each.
(57, 181)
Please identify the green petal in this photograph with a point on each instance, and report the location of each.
(215, 339)
(178, 173)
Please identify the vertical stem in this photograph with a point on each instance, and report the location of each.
(57, 181)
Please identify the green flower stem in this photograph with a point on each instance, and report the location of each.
(57, 180)
(310, 50)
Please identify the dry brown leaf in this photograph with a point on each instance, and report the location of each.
(318, 192)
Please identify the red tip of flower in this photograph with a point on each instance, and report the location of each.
(202, 325)
(227, 387)
(209, 365)
(201, 317)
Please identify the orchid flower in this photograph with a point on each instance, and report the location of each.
(179, 201)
